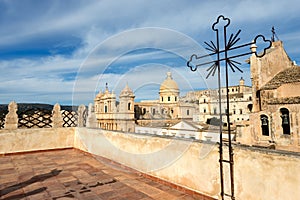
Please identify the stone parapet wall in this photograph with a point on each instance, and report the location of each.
(259, 173)
(35, 139)
(41, 116)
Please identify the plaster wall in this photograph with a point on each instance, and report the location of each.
(259, 173)
(289, 90)
(266, 175)
(33, 139)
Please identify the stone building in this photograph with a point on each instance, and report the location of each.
(115, 115)
(167, 109)
(275, 119)
(122, 115)
(240, 99)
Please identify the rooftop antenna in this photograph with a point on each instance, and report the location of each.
(274, 35)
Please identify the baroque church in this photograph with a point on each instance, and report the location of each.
(115, 115)
(124, 114)
(168, 109)
(275, 119)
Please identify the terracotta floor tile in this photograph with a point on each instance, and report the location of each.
(72, 174)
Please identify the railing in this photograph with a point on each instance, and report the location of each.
(70, 118)
(42, 116)
(35, 118)
(2, 117)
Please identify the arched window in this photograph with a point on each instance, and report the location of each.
(175, 98)
(285, 121)
(169, 98)
(215, 111)
(129, 106)
(264, 125)
(105, 108)
(204, 100)
(250, 106)
(162, 99)
(144, 111)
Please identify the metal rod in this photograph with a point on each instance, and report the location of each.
(221, 123)
(228, 121)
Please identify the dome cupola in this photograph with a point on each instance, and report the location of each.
(169, 91)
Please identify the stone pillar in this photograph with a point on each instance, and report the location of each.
(57, 120)
(91, 118)
(81, 113)
(11, 119)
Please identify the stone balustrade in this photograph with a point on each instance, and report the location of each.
(43, 118)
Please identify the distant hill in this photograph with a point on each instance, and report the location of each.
(27, 106)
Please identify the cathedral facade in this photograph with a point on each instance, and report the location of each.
(115, 115)
(124, 114)
(168, 109)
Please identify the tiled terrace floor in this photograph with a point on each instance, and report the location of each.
(72, 174)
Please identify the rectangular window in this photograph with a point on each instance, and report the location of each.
(169, 98)
(187, 112)
(129, 106)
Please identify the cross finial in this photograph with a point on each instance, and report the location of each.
(274, 35)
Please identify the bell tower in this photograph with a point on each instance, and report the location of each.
(126, 110)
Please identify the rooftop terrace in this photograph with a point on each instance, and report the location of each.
(73, 174)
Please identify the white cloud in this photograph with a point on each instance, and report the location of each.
(99, 25)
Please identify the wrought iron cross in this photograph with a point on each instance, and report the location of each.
(220, 26)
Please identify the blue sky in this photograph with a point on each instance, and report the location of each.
(65, 51)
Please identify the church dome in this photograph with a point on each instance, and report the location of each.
(126, 92)
(169, 85)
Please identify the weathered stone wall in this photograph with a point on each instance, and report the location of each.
(262, 174)
(259, 173)
(181, 162)
(34, 139)
(289, 90)
(252, 133)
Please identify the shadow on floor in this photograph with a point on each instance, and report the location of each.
(19, 196)
(34, 179)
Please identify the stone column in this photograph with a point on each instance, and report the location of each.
(81, 112)
(11, 119)
(57, 120)
(91, 118)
